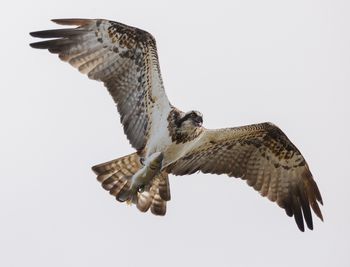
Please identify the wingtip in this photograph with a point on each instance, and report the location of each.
(72, 21)
(319, 214)
(301, 226)
(95, 169)
(37, 45)
(38, 34)
(320, 200)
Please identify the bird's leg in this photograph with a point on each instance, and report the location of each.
(139, 181)
(152, 166)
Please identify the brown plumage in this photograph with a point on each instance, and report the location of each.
(115, 177)
(168, 140)
(262, 155)
(124, 58)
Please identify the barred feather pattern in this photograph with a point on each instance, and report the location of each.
(124, 58)
(115, 177)
(262, 155)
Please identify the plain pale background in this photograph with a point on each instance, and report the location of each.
(239, 62)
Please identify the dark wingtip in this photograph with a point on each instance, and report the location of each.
(32, 34)
(300, 223)
(55, 20)
(94, 170)
(38, 45)
(40, 34)
(320, 216)
(317, 192)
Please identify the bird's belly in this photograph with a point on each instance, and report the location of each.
(159, 138)
(159, 141)
(170, 149)
(175, 151)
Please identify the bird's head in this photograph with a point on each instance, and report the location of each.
(190, 119)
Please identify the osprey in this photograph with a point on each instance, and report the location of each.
(168, 140)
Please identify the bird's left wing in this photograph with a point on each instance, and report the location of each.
(124, 58)
(262, 155)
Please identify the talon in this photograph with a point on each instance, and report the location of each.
(142, 161)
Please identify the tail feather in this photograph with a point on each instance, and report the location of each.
(144, 201)
(164, 187)
(152, 198)
(158, 206)
(115, 177)
(130, 162)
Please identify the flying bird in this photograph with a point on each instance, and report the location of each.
(168, 140)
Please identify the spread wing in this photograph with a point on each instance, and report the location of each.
(124, 58)
(262, 155)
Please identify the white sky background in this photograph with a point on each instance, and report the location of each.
(239, 62)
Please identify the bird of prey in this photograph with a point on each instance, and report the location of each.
(168, 140)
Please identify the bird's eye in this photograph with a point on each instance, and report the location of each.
(193, 115)
(141, 189)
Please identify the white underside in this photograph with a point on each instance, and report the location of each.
(160, 140)
(159, 137)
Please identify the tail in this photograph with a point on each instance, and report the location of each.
(115, 177)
